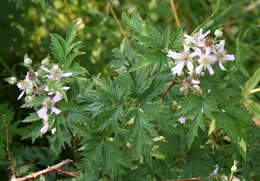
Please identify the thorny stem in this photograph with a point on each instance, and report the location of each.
(123, 32)
(165, 92)
(48, 170)
(175, 14)
(8, 150)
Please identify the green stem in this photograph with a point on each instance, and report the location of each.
(6, 66)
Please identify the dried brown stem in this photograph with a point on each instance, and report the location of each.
(46, 171)
(175, 14)
(186, 179)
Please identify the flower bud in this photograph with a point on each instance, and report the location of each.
(11, 80)
(79, 24)
(29, 92)
(218, 33)
(28, 99)
(27, 61)
(234, 167)
(45, 61)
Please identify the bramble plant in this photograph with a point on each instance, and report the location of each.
(170, 107)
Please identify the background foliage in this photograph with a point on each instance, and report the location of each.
(26, 27)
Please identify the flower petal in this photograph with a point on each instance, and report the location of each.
(173, 55)
(221, 66)
(42, 113)
(45, 128)
(210, 69)
(55, 110)
(57, 98)
(178, 68)
(68, 74)
(229, 57)
(190, 66)
(21, 95)
(199, 69)
(182, 120)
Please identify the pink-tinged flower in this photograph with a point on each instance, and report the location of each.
(45, 128)
(185, 58)
(52, 91)
(222, 57)
(55, 73)
(49, 103)
(195, 84)
(182, 120)
(27, 84)
(197, 39)
(205, 61)
(42, 113)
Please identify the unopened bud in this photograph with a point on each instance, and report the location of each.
(11, 80)
(29, 92)
(45, 61)
(234, 167)
(218, 33)
(27, 61)
(79, 24)
(28, 99)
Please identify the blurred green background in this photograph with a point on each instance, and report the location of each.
(25, 27)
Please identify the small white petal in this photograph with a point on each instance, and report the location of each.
(199, 69)
(42, 113)
(190, 67)
(182, 120)
(21, 95)
(65, 88)
(196, 86)
(186, 48)
(222, 45)
(229, 57)
(53, 130)
(44, 129)
(173, 55)
(178, 68)
(221, 66)
(210, 69)
(55, 110)
(193, 81)
(68, 74)
(57, 98)
(45, 69)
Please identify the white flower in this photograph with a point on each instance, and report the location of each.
(182, 120)
(205, 61)
(55, 73)
(182, 59)
(52, 91)
(45, 128)
(27, 83)
(11, 80)
(27, 61)
(221, 54)
(49, 103)
(197, 39)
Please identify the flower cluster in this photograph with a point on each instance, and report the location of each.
(199, 53)
(36, 84)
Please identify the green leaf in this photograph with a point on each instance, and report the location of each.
(194, 127)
